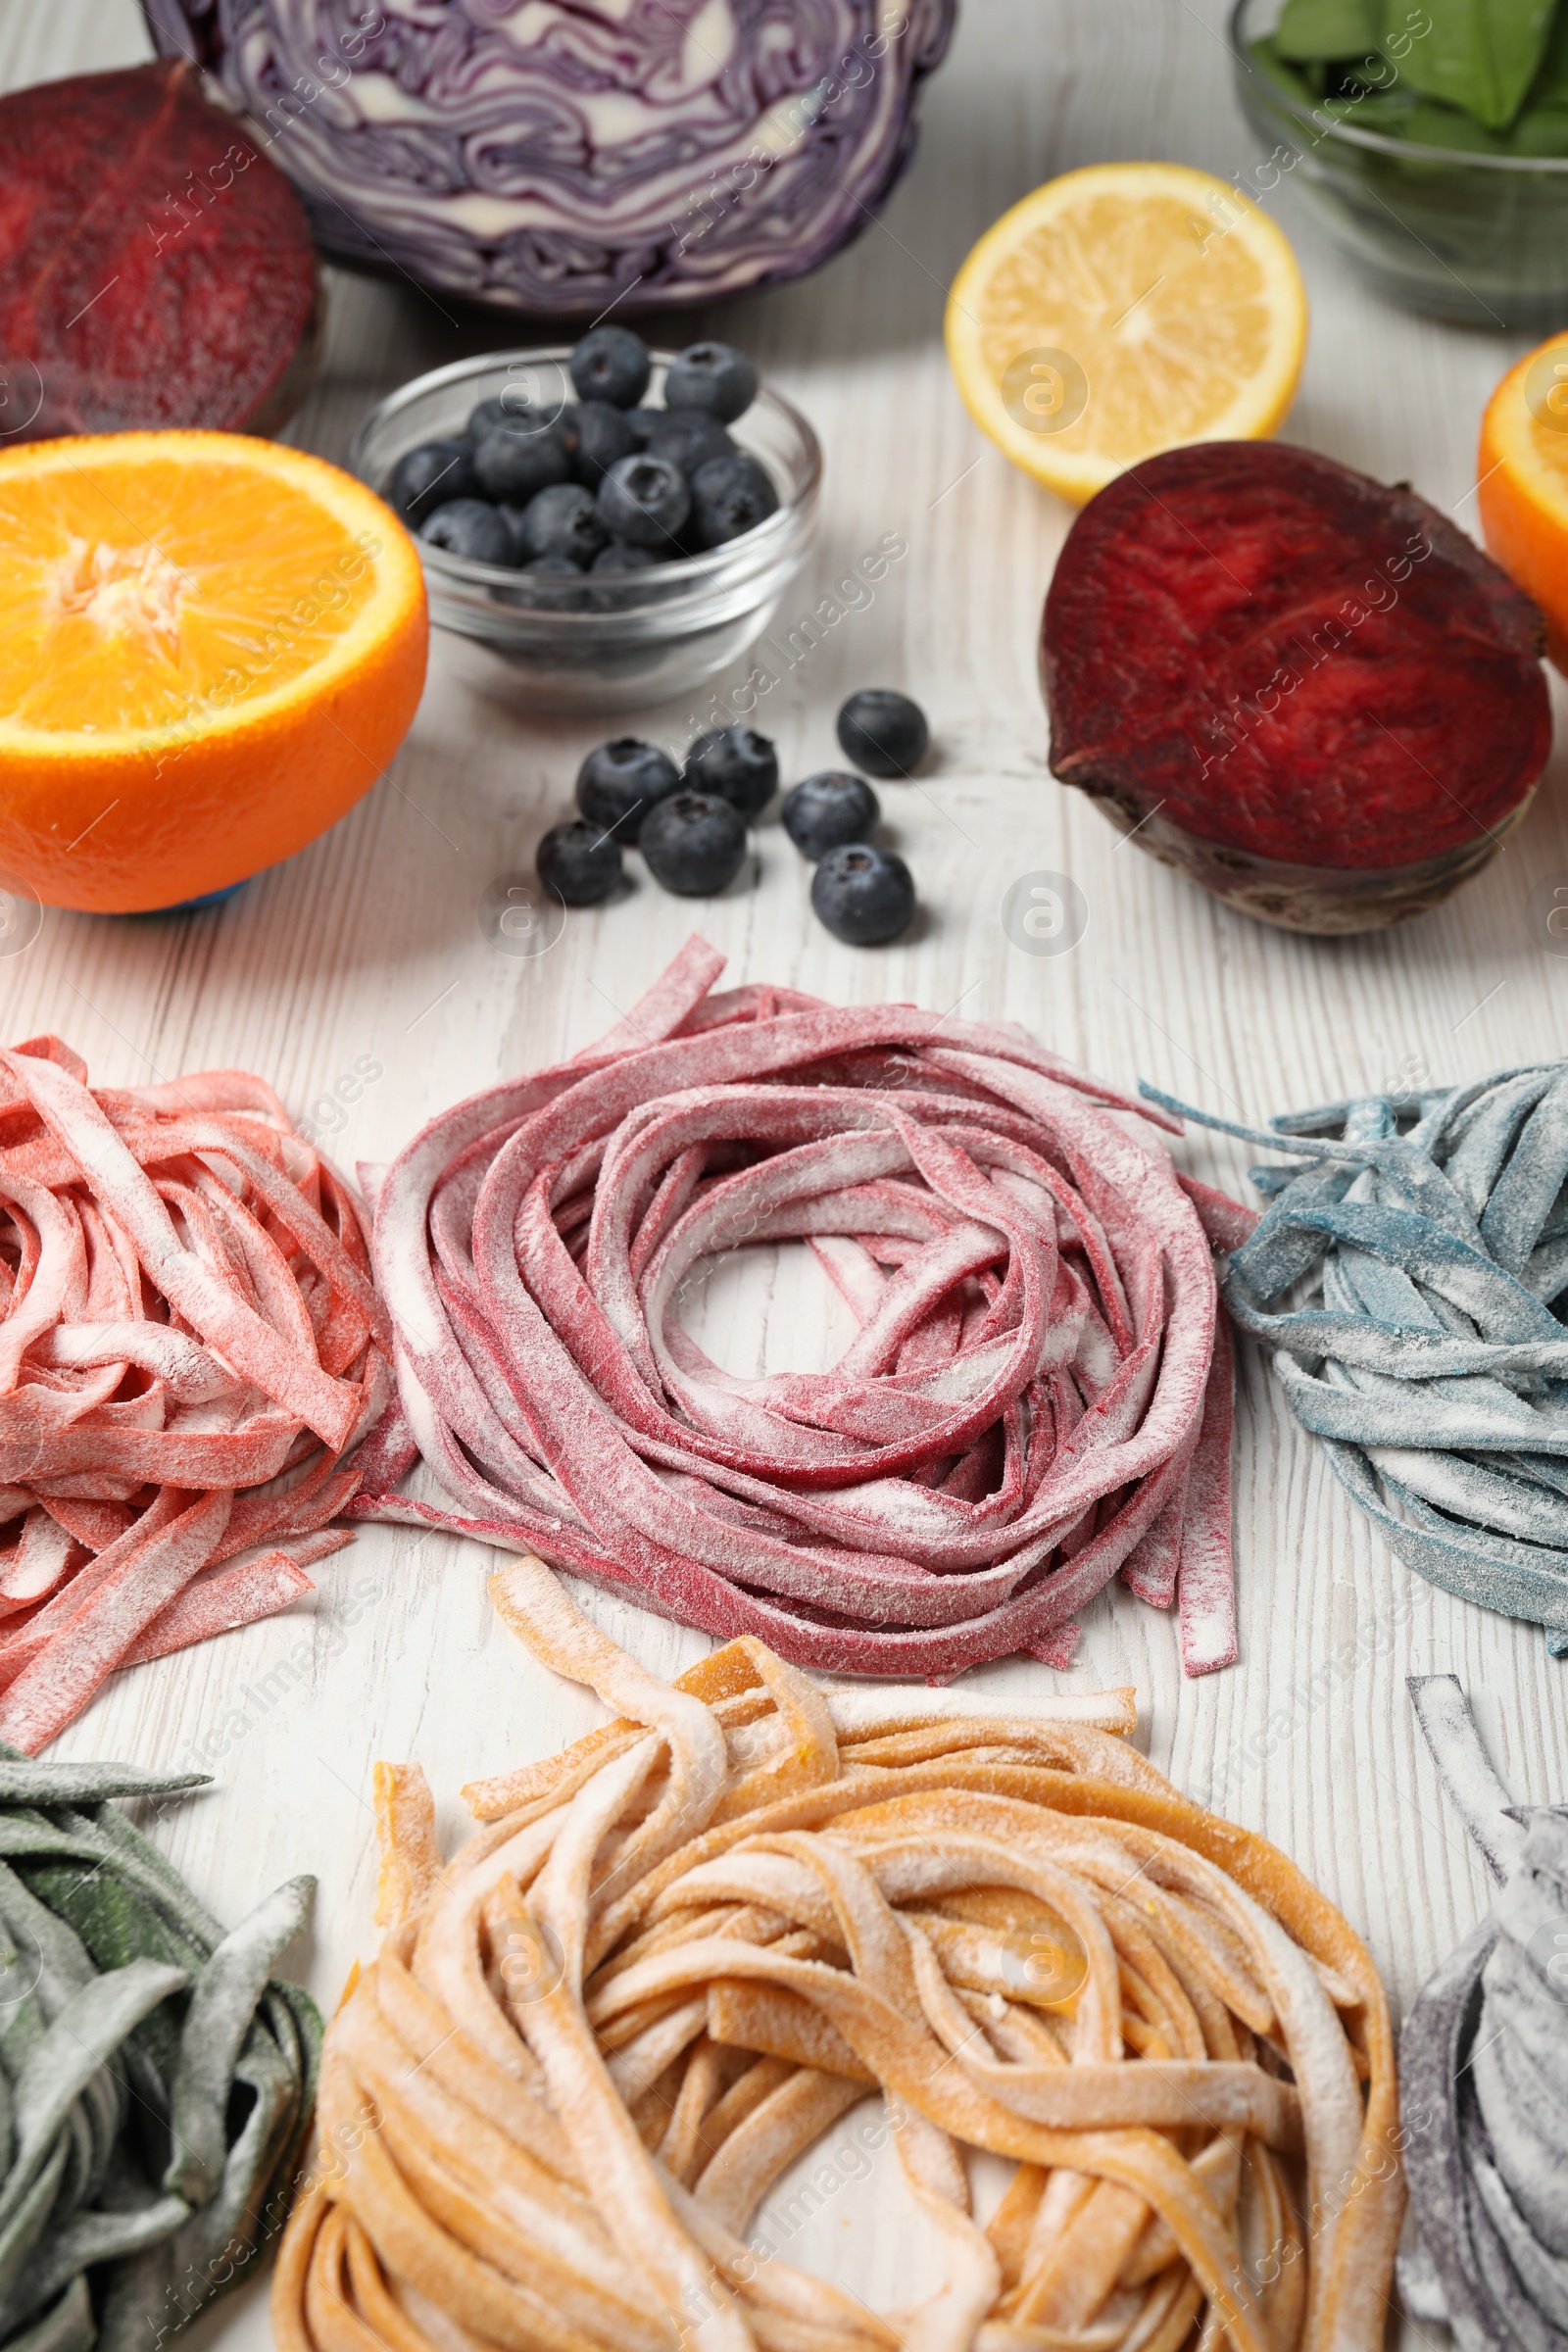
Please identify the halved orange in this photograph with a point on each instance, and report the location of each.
(1120, 311)
(1522, 483)
(211, 646)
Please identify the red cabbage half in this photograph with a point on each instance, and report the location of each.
(550, 156)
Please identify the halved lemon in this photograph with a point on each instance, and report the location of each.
(210, 647)
(1123, 309)
(1522, 483)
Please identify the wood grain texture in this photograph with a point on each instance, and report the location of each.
(369, 944)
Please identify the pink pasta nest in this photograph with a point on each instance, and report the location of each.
(191, 1343)
(1039, 1393)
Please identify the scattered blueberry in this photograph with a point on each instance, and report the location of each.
(521, 457)
(578, 863)
(645, 501)
(729, 496)
(714, 377)
(641, 422)
(604, 435)
(884, 732)
(693, 843)
(611, 364)
(485, 417)
(562, 520)
(468, 526)
(864, 894)
(619, 558)
(737, 764)
(431, 476)
(829, 809)
(689, 439)
(620, 783)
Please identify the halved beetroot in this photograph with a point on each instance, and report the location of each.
(1309, 692)
(155, 268)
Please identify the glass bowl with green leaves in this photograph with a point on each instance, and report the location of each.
(1430, 138)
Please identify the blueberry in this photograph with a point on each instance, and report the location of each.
(430, 476)
(552, 581)
(602, 435)
(512, 407)
(713, 378)
(617, 558)
(689, 439)
(518, 458)
(693, 843)
(562, 520)
(578, 863)
(884, 731)
(468, 526)
(618, 784)
(829, 809)
(645, 501)
(864, 894)
(729, 496)
(611, 364)
(641, 422)
(736, 763)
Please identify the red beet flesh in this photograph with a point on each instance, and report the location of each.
(1310, 691)
(155, 268)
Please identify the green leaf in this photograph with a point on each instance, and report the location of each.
(1434, 126)
(1481, 55)
(1389, 115)
(1324, 30)
(1542, 130)
(1302, 85)
(1550, 88)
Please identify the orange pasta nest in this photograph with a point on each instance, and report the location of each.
(678, 1952)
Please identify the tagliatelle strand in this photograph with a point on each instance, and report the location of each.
(1410, 1274)
(596, 2037)
(189, 1344)
(159, 2078)
(1483, 2066)
(1034, 1398)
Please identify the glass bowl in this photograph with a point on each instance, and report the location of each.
(1480, 239)
(601, 643)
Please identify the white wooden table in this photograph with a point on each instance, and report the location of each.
(369, 944)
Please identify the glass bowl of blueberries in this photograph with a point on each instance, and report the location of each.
(602, 526)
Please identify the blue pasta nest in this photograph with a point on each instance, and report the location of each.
(1406, 1273)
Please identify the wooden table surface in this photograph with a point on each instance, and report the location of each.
(366, 950)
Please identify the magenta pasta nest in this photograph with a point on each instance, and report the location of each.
(1039, 1393)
